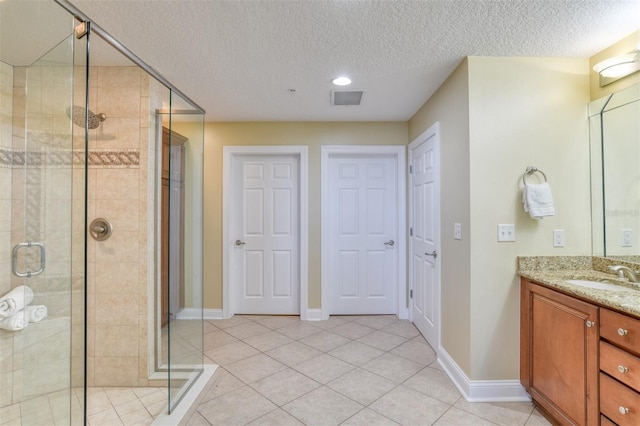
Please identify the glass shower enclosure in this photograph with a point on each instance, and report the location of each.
(100, 220)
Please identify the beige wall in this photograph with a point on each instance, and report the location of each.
(521, 112)
(311, 134)
(626, 45)
(450, 107)
(524, 112)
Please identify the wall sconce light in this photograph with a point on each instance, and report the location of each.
(615, 68)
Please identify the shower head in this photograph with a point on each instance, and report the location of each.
(76, 114)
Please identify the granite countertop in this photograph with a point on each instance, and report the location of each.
(555, 271)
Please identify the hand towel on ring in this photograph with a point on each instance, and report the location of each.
(538, 200)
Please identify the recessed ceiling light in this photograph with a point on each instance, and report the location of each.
(341, 81)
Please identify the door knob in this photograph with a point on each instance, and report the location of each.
(239, 243)
(390, 243)
(434, 254)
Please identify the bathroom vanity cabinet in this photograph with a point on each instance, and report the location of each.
(620, 367)
(559, 353)
(579, 361)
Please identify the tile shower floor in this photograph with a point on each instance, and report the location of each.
(349, 370)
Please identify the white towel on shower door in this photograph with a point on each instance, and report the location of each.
(14, 322)
(15, 300)
(35, 313)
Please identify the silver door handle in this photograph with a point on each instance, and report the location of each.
(14, 264)
(434, 254)
(239, 243)
(390, 243)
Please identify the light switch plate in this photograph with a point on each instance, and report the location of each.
(627, 238)
(457, 231)
(506, 232)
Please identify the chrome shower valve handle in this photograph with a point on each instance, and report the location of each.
(100, 229)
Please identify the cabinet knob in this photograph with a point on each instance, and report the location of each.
(590, 323)
(622, 369)
(623, 410)
(623, 332)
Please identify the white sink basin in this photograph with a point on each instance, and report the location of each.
(599, 285)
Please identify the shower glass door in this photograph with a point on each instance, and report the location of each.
(184, 144)
(38, 274)
(42, 249)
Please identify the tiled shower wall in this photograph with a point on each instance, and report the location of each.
(121, 191)
(6, 338)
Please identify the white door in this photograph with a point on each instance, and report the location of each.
(265, 231)
(424, 204)
(363, 234)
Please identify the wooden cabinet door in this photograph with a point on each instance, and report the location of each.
(559, 349)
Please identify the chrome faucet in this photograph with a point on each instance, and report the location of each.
(625, 272)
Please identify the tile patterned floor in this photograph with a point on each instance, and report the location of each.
(124, 406)
(349, 370)
(105, 407)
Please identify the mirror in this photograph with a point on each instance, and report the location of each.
(614, 127)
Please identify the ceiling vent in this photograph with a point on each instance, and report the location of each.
(346, 97)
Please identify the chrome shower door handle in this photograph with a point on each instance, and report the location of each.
(14, 257)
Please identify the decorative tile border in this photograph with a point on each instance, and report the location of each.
(97, 158)
(113, 159)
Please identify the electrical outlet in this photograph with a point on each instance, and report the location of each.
(506, 232)
(457, 231)
(627, 238)
(558, 237)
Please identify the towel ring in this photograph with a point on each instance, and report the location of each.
(531, 170)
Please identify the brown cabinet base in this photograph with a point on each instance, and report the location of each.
(558, 354)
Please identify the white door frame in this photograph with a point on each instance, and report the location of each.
(431, 132)
(399, 151)
(228, 155)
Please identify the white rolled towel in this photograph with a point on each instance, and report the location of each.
(14, 322)
(35, 313)
(15, 300)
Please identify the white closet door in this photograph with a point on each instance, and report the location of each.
(364, 258)
(425, 241)
(266, 278)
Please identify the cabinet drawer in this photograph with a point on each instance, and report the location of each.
(620, 329)
(618, 402)
(620, 365)
(606, 422)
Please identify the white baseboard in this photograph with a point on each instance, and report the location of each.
(403, 313)
(314, 315)
(213, 314)
(194, 314)
(481, 390)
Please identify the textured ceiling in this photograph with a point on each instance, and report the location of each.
(239, 59)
